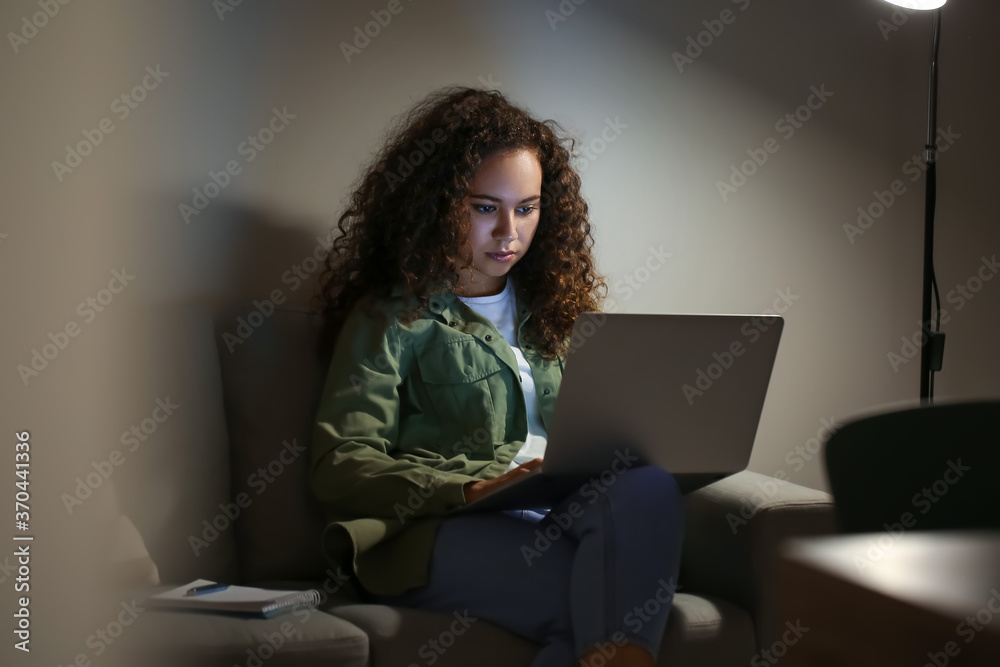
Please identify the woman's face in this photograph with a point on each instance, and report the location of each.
(503, 215)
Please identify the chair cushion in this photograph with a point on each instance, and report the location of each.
(706, 631)
(304, 638)
(701, 631)
(400, 636)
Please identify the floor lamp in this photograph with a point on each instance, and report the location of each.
(932, 340)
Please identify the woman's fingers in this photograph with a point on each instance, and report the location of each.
(530, 465)
(475, 490)
(525, 467)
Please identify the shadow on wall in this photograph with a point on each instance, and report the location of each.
(213, 284)
(234, 252)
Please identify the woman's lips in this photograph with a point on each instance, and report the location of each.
(501, 256)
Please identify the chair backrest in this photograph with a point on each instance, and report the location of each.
(926, 468)
(272, 379)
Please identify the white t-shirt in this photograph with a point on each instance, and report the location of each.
(501, 309)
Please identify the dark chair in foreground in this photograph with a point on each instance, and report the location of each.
(926, 468)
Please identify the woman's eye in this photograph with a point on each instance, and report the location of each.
(487, 208)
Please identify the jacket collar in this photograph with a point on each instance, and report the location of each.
(446, 304)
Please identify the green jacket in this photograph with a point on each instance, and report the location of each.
(409, 414)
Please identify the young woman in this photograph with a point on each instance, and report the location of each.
(449, 299)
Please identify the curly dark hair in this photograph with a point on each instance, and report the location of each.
(407, 219)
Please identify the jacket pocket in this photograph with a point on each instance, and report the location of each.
(456, 377)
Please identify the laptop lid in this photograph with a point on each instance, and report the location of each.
(684, 392)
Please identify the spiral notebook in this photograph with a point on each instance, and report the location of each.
(240, 600)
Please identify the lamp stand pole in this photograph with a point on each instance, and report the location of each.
(932, 341)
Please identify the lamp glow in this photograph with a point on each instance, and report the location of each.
(919, 5)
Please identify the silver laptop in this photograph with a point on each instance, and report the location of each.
(682, 392)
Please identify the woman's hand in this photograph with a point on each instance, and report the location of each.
(476, 490)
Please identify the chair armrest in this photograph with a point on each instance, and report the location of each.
(733, 531)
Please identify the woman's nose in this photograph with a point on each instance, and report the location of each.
(506, 227)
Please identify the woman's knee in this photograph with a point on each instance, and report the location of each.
(648, 486)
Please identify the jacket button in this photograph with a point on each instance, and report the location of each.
(468, 370)
(546, 392)
(489, 338)
(452, 324)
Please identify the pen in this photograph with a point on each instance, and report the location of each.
(207, 588)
